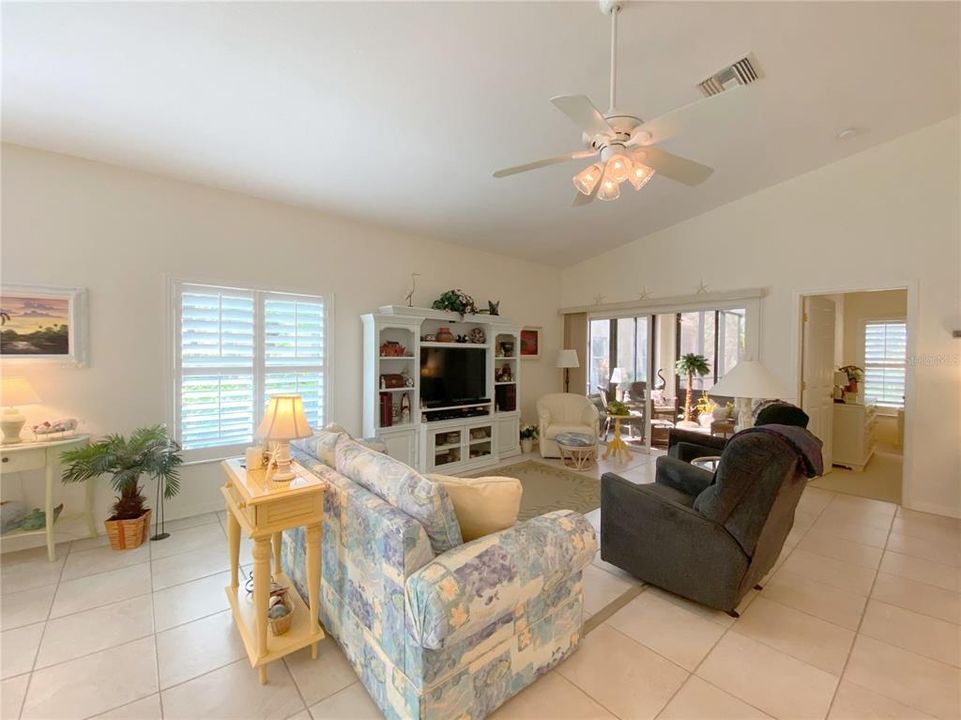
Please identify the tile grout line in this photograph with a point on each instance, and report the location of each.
(731, 626)
(156, 647)
(43, 632)
(857, 632)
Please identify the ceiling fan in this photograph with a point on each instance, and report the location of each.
(624, 142)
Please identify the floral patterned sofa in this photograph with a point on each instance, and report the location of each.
(434, 627)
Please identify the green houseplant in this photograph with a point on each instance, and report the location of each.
(528, 434)
(456, 301)
(690, 365)
(148, 451)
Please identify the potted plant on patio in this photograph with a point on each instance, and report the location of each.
(689, 365)
(528, 435)
(149, 451)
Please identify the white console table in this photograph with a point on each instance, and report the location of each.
(21, 457)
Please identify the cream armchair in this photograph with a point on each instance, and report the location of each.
(562, 413)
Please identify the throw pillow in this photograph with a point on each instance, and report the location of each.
(483, 505)
(404, 488)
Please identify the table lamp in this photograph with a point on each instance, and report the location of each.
(284, 421)
(14, 391)
(748, 380)
(567, 359)
(619, 378)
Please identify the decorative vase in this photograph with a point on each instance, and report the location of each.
(527, 445)
(705, 420)
(128, 534)
(444, 335)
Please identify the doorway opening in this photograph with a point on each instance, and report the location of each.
(852, 381)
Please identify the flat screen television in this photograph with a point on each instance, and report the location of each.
(452, 376)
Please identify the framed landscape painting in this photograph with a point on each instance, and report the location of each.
(530, 343)
(42, 324)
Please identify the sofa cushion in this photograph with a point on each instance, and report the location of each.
(404, 488)
(322, 444)
(483, 505)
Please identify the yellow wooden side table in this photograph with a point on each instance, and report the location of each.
(617, 447)
(262, 511)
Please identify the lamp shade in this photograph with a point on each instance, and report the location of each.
(567, 359)
(17, 391)
(749, 379)
(618, 376)
(284, 419)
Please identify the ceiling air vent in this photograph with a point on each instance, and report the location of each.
(742, 72)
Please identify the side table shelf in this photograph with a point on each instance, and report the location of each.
(262, 511)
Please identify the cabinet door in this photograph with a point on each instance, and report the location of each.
(480, 441)
(401, 446)
(444, 448)
(508, 441)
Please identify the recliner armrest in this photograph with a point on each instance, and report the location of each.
(682, 476)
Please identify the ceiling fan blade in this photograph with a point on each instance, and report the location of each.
(673, 166)
(700, 113)
(544, 163)
(582, 111)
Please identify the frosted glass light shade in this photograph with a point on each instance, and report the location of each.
(619, 167)
(17, 391)
(640, 175)
(284, 419)
(567, 359)
(586, 180)
(609, 189)
(749, 379)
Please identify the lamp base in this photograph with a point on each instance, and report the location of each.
(11, 423)
(281, 462)
(744, 417)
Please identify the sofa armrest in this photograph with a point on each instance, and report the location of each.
(466, 589)
(682, 476)
(590, 416)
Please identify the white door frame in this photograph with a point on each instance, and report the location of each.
(910, 371)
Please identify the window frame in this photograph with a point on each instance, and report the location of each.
(883, 408)
(175, 372)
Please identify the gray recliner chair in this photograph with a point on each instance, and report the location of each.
(710, 538)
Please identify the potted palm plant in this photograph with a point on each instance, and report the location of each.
(689, 365)
(148, 451)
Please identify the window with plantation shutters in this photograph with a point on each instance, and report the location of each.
(885, 354)
(234, 349)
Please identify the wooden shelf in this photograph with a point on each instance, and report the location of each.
(479, 441)
(396, 357)
(403, 389)
(479, 346)
(456, 407)
(506, 382)
(299, 636)
(449, 446)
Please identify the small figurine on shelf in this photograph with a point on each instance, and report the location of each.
(408, 380)
(505, 374)
(405, 409)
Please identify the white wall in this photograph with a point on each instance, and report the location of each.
(70, 222)
(887, 217)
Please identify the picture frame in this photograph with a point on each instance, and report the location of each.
(530, 345)
(40, 323)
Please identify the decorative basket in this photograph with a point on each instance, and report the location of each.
(278, 626)
(128, 534)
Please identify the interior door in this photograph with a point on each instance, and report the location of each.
(817, 371)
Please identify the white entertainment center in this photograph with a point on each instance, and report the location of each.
(402, 352)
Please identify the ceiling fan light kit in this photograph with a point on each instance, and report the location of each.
(624, 142)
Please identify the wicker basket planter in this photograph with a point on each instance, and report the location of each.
(128, 534)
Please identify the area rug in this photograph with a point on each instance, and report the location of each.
(548, 488)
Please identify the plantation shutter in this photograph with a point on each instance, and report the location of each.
(885, 353)
(235, 348)
(294, 345)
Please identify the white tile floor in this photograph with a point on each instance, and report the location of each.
(860, 619)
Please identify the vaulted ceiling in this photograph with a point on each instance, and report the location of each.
(397, 113)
